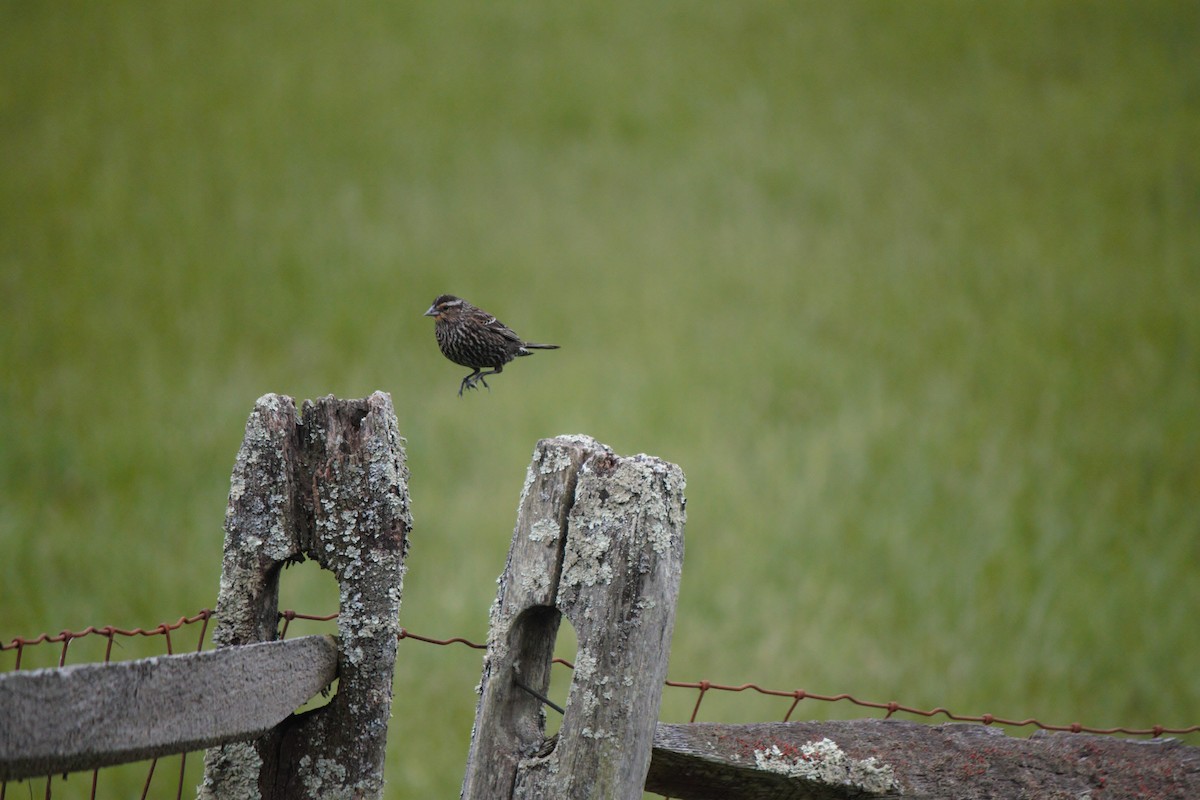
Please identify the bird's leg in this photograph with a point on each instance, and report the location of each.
(469, 382)
(477, 377)
(473, 380)
(495, 371)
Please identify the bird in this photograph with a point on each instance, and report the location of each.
(472, 337)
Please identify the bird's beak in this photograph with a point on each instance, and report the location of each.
(432, 312)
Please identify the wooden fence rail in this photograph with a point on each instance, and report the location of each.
(858, 759)
(599, 540)
(94, 715)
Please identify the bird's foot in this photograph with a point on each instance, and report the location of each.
(470, 382)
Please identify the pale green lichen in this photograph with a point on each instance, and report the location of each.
(824, 761)
(584, 563)
(585, 666)
(589, 733)
(544, 530)
(554, 459)
(535, 584)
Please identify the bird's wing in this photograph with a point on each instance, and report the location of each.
(499, 327)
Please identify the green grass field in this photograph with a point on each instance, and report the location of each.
(910, 291)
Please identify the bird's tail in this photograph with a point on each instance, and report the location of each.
(525, 348)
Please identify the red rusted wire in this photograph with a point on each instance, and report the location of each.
(892, 707)
(149, 777)
(289, 615)
(203, 630)
(108, 647)
(65, 636)
(406, 634)
(110, 632)
(703, 686)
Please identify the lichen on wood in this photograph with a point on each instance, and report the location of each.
(599, 539)
(328, 484)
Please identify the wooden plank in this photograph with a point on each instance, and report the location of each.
(95, 715)
(895, 758)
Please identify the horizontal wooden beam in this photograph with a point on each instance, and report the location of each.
(895, 758)
(95, 715)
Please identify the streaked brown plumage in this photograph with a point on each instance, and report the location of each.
(474, 338)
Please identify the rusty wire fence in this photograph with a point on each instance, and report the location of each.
(176, 637)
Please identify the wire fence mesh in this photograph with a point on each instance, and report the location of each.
(15, 655)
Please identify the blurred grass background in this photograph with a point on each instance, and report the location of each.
(910, 291)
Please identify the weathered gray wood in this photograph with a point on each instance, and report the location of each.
(524, 622)
(330, 485)
(95, 715)
(894, 759)
(600, 539)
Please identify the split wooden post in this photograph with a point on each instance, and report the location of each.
(599, 539)
(328, 484)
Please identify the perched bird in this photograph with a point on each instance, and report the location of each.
(474, 338)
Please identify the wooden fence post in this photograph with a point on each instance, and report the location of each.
(329, 484)
(599, 538)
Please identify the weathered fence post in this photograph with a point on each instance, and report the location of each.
(329, 484)
(599, 538)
